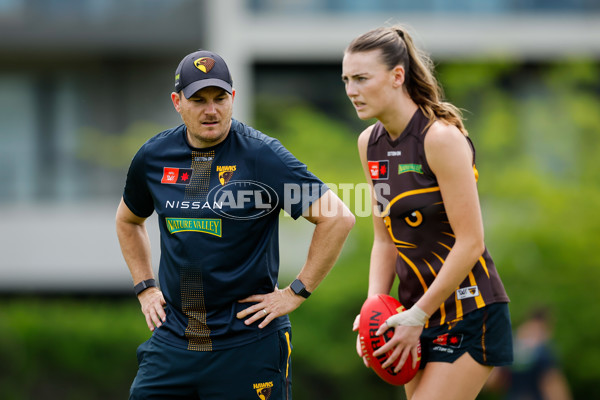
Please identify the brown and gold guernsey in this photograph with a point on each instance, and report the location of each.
(409, 198)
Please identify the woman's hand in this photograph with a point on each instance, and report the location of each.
(355, 326)
(408, 326)
(404, 342)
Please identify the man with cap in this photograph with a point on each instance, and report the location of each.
(219, 320)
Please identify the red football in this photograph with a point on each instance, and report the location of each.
(374, 312)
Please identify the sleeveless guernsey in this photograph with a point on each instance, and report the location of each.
(411, 206)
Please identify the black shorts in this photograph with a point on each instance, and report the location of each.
(486, 334)
(258, 370)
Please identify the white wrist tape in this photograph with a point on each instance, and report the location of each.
(412, 317)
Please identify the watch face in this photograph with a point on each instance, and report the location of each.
(297, 286)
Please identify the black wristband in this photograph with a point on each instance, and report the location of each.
(298, 288)
(143, 285)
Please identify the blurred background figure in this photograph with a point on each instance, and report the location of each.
(536, 373)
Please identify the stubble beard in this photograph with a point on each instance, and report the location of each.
(204, 137)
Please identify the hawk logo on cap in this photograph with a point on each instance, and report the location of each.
(204, 64)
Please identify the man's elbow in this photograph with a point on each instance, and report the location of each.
(341, 220)
(350, 221)
(346, 220)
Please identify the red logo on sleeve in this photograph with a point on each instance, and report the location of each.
(378, 169)
(177, 176)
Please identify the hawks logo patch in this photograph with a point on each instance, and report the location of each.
(379, 169)
(177, 176)
(204, 64)
(263, 390)
(225, 173)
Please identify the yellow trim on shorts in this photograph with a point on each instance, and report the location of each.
(287, 367)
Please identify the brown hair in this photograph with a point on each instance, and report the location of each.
(397, 48)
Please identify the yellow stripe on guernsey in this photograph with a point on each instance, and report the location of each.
(478, 299)
(443, 306)
(406, 194)
(484, 265)
(430, 268)
(417, 273)
(459, 310)
(210, 226)
(415, 270)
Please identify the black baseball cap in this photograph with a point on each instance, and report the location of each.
(202, 69)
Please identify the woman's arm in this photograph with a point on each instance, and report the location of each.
(450, 157)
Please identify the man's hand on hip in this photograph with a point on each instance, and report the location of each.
(153, 304)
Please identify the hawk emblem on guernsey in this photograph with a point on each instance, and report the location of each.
(204, 64)
(225, 176)
(225, 173)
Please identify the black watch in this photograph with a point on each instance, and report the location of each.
(143, 285)
(298, 288)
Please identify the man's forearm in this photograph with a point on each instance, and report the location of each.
(135, 244)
